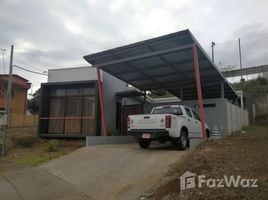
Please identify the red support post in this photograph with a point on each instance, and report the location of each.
(199, 91)
(103, 118)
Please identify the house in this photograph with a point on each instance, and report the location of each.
(20, 88)
(70, 103)
(88, 101)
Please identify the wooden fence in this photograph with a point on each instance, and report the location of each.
(19, 120)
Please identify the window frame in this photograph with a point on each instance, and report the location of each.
(196, 114)
(186, 108)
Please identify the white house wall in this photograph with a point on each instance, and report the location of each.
(72, 74)
(111, 85)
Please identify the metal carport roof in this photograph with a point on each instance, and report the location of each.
(164, 62)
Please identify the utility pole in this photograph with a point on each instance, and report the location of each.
(240, 59)
(212, 48)
(7, 103)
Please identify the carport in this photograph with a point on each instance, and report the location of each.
(175, 62)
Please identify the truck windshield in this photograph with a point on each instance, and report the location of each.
(168, 110)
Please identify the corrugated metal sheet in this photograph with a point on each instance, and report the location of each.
(164, 62)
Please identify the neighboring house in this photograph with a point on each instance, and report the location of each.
(20, 87)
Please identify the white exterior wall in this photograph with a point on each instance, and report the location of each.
(72, 74)
(111, 85)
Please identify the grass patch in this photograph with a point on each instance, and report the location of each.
(36, 159)
(24, 148)
(25, 142)
(52, 145)
(248, 128)
(37, 154)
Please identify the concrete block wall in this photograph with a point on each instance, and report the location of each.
(236, 118)
(261, 104)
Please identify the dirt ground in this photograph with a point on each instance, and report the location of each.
(244, 154)
(25, 148)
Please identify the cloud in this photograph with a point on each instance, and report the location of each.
(50, 34)
(254, 42)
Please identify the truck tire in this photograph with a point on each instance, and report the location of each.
(181, 143)
(144, 144)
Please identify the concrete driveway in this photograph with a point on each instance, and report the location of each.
(96, 172)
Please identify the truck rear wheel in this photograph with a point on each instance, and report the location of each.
(144, 144)
(181, 143)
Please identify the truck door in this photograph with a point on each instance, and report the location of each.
(190, 122)
(197, 121)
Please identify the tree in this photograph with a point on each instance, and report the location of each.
(33, 103)
(259, 85)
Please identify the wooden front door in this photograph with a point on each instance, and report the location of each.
(129, 110)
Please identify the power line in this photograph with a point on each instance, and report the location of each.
(242, 38)
(30, 70)
(22, 62)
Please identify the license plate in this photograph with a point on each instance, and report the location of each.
(146, 136)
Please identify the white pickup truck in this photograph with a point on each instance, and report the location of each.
(175, 123)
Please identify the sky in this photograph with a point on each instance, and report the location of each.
(51, 34)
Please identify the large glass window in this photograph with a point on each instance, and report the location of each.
(57, 107)
(58, 92)
(88, 122)
(72, 111)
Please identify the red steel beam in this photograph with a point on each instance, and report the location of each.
(199, 91)
(103, 118)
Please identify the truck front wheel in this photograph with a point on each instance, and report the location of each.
(144, 144)
(181, 143)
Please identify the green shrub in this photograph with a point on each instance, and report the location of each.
(26, 142)
(261, 120)
(113, 132)
(52, 145)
